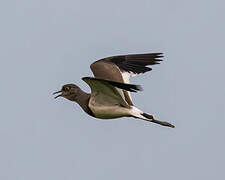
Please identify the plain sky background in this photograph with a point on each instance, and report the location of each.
(47, 43)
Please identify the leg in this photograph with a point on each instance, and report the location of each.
(163, 123)
(151, 119)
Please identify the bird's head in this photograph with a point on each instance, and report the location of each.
(68, 91)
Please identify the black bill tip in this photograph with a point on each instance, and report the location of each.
(57, 93)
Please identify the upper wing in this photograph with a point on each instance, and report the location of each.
(121, 68)
(136, 63)
(109, 92)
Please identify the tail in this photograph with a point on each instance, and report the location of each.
(147, 117)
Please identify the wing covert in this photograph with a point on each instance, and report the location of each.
(105, 93)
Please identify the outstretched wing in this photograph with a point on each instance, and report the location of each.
(121, 68)
(108, 92)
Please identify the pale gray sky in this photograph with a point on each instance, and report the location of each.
(47, 43)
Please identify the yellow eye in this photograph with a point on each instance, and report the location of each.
(66, 88)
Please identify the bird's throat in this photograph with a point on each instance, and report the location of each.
(83, 101)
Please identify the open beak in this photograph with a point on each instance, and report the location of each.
(57, 93)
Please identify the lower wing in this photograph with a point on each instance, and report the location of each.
(110, 91)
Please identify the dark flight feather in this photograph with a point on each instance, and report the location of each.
(136, 63)
(127, 87)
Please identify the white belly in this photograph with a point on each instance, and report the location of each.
(109, 112)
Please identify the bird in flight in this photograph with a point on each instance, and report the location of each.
(110, 87)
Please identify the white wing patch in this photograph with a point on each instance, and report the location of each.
(126, 76)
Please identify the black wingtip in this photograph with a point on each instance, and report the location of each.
(139, 88)
(134, 88)
(136, 63)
